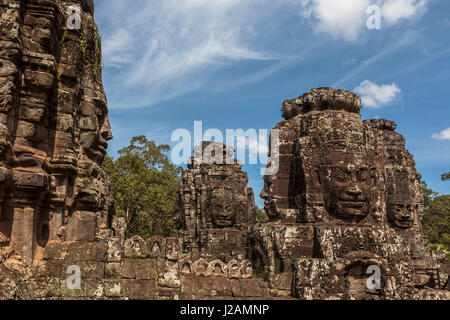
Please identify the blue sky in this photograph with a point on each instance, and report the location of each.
(231, 63)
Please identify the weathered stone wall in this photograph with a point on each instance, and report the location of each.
(131, 269)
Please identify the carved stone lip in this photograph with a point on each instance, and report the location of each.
(404, 224)
(353, 204)
(405, 220)
(102, 146)
(223, 222)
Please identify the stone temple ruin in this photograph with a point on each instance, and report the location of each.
(346, 198)
(215, 207)
(53, 129)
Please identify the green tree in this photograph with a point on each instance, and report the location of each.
(144, 185)
(445, 176)
(261, 215)
(436, 221)
(428, 194)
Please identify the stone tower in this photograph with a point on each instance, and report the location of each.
(215, 206)
(54, 128)
(346, 200)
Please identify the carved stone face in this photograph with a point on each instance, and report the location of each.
(95, 129)
(222, 210)
(401, 214)
(266, 193)
(404, 198)
(348, 183)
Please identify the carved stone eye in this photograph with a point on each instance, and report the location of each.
(363, 175)
(340, 175)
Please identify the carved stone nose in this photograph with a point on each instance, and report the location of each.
(263, 194)
(354, 193)
(106, 131)
(405, 214)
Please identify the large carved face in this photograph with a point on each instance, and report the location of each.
(402, 214)
(403, 198)
(95, 129)
(222, 209)
(269, 202)
(348, 180)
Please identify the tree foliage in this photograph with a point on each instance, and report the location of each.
(445, 176)
(261, 215)
(428, 194)
(436, 219)
(144, 185)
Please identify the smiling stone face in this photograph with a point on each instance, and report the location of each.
(215, 206)
(222, 209)
(95, 130)
(402, 215)
(266, 194)
(404, 197)
(347, 180)
(54, 128)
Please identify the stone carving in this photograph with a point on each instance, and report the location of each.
(216, 268)
(53, 128)
(157, 246)
(136, 248)
(215, 205)
(222, 209)
(347, 196)
(404, 194)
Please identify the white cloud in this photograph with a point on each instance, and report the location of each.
(346, 19)
(117, 48)
(393, 11)
(377, 96)
(341, 19)
(254, 145)
(444, 135)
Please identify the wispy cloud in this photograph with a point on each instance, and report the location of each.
(117, 48)
(407, 39)
(394, 11)
(254, 145)
(156, 50)
(377, 96)
(444, 135)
